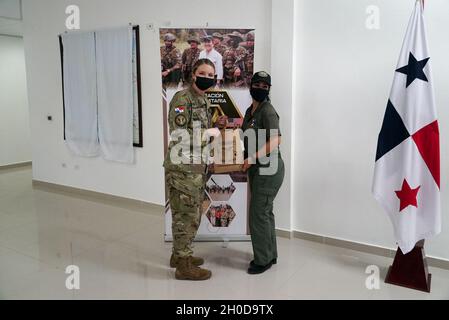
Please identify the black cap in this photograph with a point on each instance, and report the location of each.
(261, 76)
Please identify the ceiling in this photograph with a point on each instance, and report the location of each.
(11, 17)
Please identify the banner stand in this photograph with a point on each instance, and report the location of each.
(224, 207)
(410, 270)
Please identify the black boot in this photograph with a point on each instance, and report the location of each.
(274, 261)
(256, 269)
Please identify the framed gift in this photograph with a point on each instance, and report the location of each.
(229, 157)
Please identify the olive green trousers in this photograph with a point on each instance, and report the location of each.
(264, 189)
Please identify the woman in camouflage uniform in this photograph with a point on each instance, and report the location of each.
(186, 168)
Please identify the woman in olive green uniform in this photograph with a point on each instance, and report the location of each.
(264, 184)
(186, 169)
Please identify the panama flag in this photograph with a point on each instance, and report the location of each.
(407, 169)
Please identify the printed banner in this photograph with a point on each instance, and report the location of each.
(225, 205)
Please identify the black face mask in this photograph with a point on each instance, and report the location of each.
(204, 83)
(259, 94)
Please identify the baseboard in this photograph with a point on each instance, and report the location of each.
(15, 165)
(361, 247)
(122, 202)
(438, 263)
(284, 233)
(148, 207)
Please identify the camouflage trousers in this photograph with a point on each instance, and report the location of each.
(186, 193)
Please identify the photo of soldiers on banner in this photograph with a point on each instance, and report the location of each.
(231, 50)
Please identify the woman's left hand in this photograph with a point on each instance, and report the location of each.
(246, 165)
(222, 121)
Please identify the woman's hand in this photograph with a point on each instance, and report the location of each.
(222, 121)
(246, 165)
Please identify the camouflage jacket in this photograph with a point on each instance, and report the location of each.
(170, 58)
(188, 109)
(221, 48)
(189, 57)
(233, 58)
(249, 63)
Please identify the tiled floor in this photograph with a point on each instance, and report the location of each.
(121, 255)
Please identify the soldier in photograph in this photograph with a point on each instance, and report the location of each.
(170, 62)
(233, 61)
(189, 58)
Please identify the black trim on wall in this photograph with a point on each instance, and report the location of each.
(61, 53)
(139, 91)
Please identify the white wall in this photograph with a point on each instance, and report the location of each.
(45, 19)
(10, 9)
(344, 77)
(331, 80)
(282, 96)
(14, 121)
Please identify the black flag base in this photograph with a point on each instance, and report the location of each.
(410, 270)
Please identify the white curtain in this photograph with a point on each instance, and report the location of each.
(115, 93)
(80, 94)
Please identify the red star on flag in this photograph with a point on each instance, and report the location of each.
(407, 196)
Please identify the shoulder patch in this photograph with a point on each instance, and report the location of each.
(180, 120)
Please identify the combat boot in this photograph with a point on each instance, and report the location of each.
(185, 270)
(196, 261)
